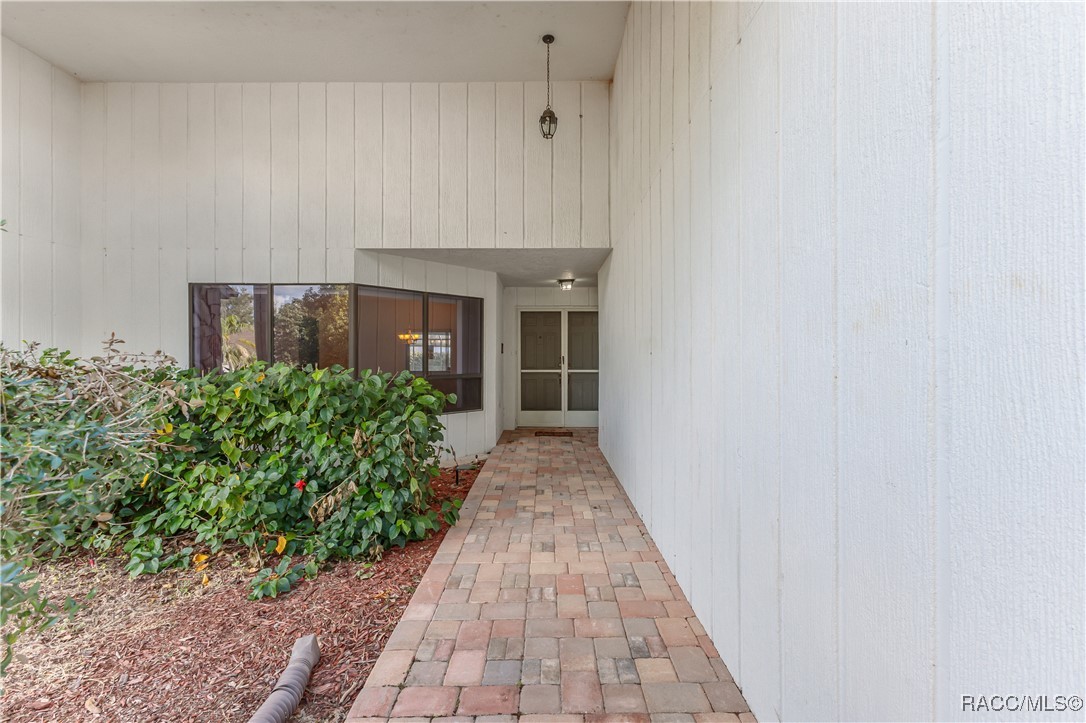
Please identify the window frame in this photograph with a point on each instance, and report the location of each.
(352, 330)
(426, 374)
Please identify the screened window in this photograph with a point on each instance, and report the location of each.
(389, 330)
(436, 336)
(454, 348)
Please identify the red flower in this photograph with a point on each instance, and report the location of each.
(300, 485)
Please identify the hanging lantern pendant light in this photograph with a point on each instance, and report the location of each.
(548, 122)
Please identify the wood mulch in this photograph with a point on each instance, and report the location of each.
(166, 647)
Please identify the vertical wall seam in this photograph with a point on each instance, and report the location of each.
(244, 275)
(494, 191)
(836, 388)
(440, 236)
(467, 161)
(298, 184)
(939, 291)
(158, 212)
(739, 345)
(839, 662)
(52, 202)
(327, 88)
(271, 195)
(780, 398)
(410, 168)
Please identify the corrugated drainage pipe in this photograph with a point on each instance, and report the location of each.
(288, 689)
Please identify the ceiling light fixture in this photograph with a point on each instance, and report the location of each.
(548, 122)
(565, 284)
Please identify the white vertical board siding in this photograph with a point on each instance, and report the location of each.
(284, 182)
(40, 254)
(396, 189)
(256, 181)
(368, 168)
(1009, 231)
(894, 424)
(724, 332)
(200, 178)
(312, 181)
(884, 213)
(759, 364)
(92, 209)
(339, 183)
(35, 197)
(251, 182)
(229, 243)
(595, 186)
(453, 165)
(509, 163)
(538, 171)
(425, 140)
(481, 165)
(808, 495)
(566, 169)
(11, 296)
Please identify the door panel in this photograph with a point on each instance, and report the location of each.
(541, 391)
(584, 340)
(541, 340)
(584, 392)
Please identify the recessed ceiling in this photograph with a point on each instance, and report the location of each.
(521, 267)
(320, 41)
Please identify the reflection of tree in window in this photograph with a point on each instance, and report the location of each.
(311, 325)
(238, 328)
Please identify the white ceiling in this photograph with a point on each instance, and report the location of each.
(521, 267)
(320, 41)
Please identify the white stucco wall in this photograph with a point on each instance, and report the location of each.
(40, 255)
(843, 343)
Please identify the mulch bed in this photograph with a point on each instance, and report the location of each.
(166, 647)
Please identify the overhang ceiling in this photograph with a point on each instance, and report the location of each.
(320, 41)
(520, 267)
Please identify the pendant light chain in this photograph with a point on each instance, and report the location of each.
(548, 75)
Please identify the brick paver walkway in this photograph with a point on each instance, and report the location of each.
(549, 602)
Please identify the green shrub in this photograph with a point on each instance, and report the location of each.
(72, 432)
(335, 465)
(127, 451)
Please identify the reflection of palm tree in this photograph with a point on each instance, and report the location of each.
(238, 329)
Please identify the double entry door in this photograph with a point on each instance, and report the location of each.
(559, 368)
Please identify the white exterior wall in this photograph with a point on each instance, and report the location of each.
(843, 343)
(40, 256)
(256, 182)
(121, 194)
(515, 298)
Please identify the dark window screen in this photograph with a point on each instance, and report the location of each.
(454, 348)
(390, 333)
